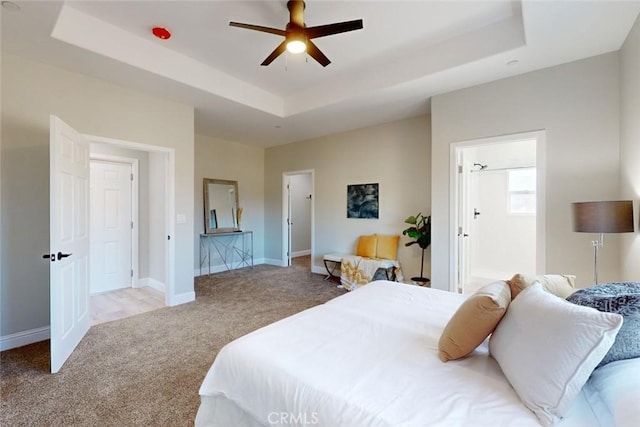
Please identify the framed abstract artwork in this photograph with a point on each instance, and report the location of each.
(362, 201)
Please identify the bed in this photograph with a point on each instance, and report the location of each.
(369, 358)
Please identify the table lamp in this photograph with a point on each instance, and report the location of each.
(602, 217)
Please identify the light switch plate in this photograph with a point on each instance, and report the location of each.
(181, 218)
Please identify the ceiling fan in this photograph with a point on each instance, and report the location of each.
(297, 37)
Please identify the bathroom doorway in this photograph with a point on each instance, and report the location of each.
(498, 203)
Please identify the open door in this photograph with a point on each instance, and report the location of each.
(69, 240)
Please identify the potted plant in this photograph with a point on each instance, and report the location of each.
(420, 232)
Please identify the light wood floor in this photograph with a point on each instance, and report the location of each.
(302, 261)
(124, 303)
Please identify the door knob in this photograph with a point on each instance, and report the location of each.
(61, 255)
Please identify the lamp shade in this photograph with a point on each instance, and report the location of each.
(603, 217)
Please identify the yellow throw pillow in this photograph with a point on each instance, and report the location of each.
(387, 247)
(474, 321)
(367, 246)
(561, 285)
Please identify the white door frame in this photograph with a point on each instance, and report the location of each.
(289, 224)
(135, 279)
(540, 137)
(463, 222)
(285, 208)
(170, 294)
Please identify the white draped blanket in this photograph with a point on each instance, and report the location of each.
(357, 271)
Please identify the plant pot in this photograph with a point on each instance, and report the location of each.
(421, 281)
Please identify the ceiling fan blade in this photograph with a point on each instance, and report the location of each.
(316, 54)
(259, 28)
(277, 52)
(331, 29)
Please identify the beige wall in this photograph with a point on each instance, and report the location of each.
(157, 220)
(219, 159)
(578, 105)
(393, 155)
(30, 93)
(630, 146)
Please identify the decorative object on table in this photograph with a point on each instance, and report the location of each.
(602, 217)
(239, 217)
(213, 219)
(420, 232)
(362, 201)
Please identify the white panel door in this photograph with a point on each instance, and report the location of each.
(110, 226)
(68, 240)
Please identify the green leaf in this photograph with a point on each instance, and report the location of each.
(421, 230)
(411, 220)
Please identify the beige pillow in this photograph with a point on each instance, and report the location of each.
(561, 285)
(475, 319)
(367, 246)
(387, 247)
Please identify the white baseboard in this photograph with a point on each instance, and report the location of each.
(318, 269)
(182, 298)
(152, 283)
(276, 262)
(300, 253)
(19, 339)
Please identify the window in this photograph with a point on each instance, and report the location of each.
(522, 191)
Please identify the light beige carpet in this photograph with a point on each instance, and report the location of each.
(147, 369)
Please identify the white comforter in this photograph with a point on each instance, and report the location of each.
(368, 358)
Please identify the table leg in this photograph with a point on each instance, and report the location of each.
(331, 276)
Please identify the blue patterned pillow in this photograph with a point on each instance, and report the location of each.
(622, 298)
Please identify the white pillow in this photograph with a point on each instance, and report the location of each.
(547, 348)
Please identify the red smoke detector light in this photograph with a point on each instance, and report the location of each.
(161, 33)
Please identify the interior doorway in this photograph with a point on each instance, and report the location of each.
(298, 215)
(69, 217)
(498, 194)
(149, 271)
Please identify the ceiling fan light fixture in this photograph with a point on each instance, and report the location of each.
(296, 43)
(296, 46)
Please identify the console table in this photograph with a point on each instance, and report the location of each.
(235, 249)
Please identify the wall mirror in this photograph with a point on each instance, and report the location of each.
(220, 206)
